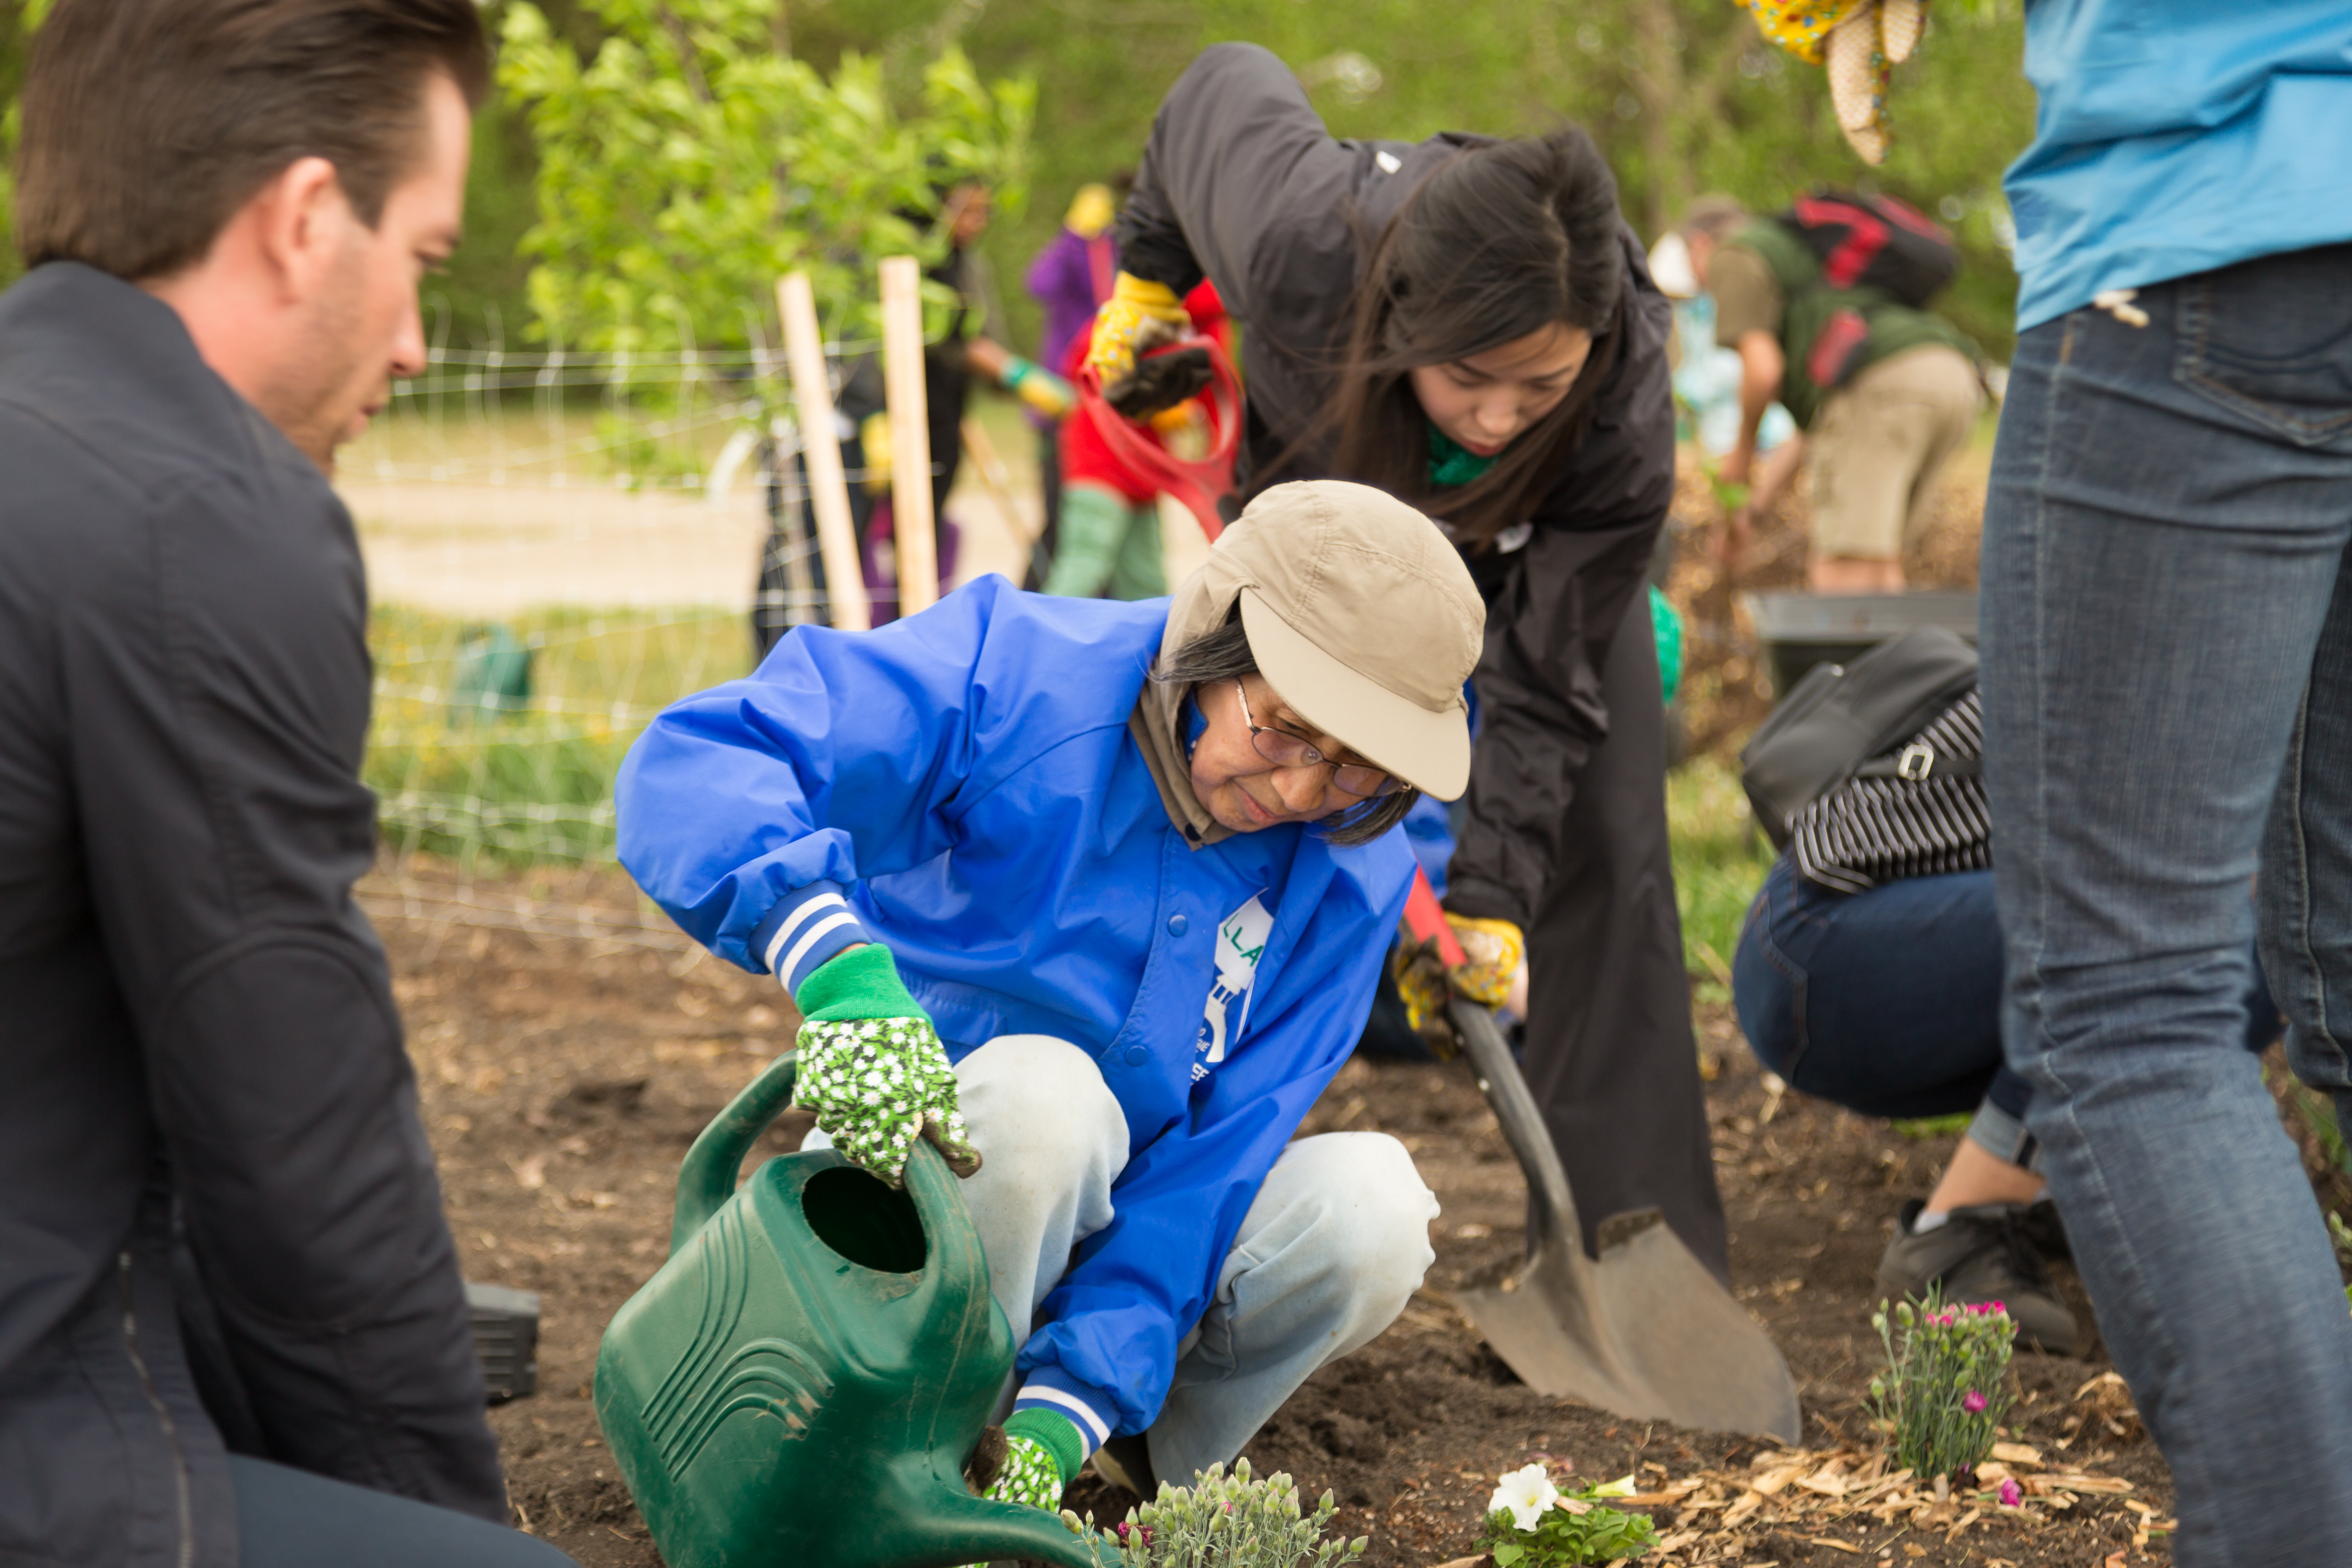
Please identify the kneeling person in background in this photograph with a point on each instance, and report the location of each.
(1869, 975)
(1098, 891)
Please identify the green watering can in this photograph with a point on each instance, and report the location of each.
(800, 1384)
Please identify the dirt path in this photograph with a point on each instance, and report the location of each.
(564, 1079)
(472, 548)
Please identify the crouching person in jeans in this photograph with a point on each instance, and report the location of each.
(1099, 892)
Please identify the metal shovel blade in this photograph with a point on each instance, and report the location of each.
(1645, 1332)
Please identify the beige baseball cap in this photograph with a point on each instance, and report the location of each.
(1360, 614)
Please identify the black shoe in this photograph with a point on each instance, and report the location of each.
(1981, 1253)
(1127, 1462)
(2046, 1231)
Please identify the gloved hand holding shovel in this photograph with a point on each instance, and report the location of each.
(1441, 955)
(872, 1067)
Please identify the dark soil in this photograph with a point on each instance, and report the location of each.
(565, 1076)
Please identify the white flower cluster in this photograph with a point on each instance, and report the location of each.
(873, 1083)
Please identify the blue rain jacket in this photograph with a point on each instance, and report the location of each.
(968, 775)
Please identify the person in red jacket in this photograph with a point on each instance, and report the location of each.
(1110, 510)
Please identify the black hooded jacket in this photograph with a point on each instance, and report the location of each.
(1240, 181)
(208, 1117)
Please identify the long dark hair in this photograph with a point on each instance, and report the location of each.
(1499, 241)
(1224, 655)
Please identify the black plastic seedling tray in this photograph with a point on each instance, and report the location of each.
(1799, 631)
(506, 1339)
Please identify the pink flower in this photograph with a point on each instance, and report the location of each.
(1972, 1402)
(2011, 1494)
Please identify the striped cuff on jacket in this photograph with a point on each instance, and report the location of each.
(1051, 1388)
(808, 926)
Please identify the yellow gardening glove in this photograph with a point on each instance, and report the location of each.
(1494, 952)
(1857, 41)
(1139, 317)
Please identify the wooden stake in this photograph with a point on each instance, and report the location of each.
(836, 535)
(910, 435)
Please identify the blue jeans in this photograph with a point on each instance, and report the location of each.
(1888, 1002)
(2167, 624)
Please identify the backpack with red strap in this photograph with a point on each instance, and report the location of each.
(1873, 242)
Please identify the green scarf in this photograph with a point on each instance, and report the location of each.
(1451, 464)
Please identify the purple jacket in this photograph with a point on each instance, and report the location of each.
(1071, 284)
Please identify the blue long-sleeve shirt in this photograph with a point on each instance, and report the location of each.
(967, 778)
(2176, 136)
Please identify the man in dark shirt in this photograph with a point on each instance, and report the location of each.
(220, 1230)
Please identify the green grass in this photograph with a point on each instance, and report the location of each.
(1720, 859)
(534, 784)
(537, 784)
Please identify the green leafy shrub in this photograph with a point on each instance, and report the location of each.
(1946, 1386)
(691, 162)
(1222, 1522)
(1530, 1523)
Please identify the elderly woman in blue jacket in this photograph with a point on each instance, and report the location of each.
(1099, 892)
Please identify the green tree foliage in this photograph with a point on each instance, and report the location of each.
(689, 162)
(1682, 95)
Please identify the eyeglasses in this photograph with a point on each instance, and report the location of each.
(1285, 750)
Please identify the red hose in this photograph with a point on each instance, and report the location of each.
(1199, 484)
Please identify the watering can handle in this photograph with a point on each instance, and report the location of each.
(705, 1178)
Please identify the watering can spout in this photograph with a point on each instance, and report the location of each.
(980, 1531)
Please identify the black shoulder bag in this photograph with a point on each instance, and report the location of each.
(1846, 721)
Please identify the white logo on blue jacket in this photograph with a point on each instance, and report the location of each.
(1241, 938)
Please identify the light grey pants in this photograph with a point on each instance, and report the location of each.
(1328, 1254)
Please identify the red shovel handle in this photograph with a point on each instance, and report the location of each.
(1200, 483)
(1427, 922)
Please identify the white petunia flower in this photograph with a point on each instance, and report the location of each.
(1524, 1494)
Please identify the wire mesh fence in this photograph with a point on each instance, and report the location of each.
(559, 545)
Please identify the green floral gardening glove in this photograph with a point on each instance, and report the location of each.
(1038, 1454)
(872, 1067)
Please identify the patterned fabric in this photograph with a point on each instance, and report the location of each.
(1868, 831)
(1800, 27)
(1029, 1476)
(873, 1083)
(1855, 41)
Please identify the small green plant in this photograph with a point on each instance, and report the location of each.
(1222, 1522)
(1530, 1523)
(1946, 1386)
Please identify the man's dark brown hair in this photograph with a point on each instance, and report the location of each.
(148, 123)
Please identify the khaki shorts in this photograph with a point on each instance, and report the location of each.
(1875, 451)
